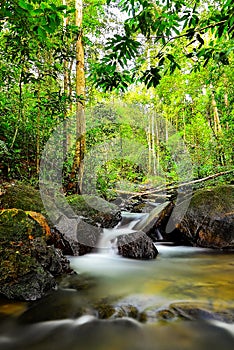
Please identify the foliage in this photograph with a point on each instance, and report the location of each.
(204, 29)
(34, 44)
(135, 48)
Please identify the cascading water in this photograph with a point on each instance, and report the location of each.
(183, 300)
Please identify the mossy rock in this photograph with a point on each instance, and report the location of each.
(16, 225)
(23, 197)
(127, 311)
(94, 210)
(209, 220)
(27, 265)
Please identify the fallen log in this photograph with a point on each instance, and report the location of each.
(173, 187)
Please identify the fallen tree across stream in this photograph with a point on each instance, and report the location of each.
(170, 187)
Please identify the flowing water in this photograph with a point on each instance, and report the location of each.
(181, 300)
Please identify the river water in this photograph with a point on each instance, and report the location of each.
(181, 300)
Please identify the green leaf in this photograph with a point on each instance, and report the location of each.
(25, 5)
(41, 33)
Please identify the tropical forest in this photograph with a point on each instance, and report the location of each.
(116, 174)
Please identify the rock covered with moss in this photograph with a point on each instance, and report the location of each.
(21, 196)
(80, 222)
(209, 220)
(28, 266)
(94, 210)
(76, 221)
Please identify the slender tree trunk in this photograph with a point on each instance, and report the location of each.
(184, 127)
(217, 125)
(226, 99)
(226, 103)
(78, 165)
(157, 145)
(149, 139)
(70, 90)
(226, 91)
(217, 129)
(65, 91)
(166, 130)
(38, 133)
(153, 142)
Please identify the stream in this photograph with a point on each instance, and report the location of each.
(181, 300)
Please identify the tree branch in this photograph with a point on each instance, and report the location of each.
(198, 30)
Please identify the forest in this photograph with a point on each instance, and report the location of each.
(116, 174)
(143, 88)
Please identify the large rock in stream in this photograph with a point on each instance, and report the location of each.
(209, 220)
(139, 244)
(150, 224)
(81, 222)
(136, 245)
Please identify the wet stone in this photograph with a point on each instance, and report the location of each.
(136, 245)
(209, 220)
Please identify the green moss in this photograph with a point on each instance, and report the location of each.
(80, 206)
(16, 261)
(219, 199)
(16, 233)
(90, 203)
(95, 210)
(16, 226)
(22, 197)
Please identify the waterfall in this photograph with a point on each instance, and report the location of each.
(108, 241)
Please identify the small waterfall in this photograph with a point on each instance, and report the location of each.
(105, 261)
(108, 241)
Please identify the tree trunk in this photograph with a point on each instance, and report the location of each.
(78, 165)
(65, 91)
(217, 125)
(153, 142)
(157, 145)
(38, 129)
(149, 139)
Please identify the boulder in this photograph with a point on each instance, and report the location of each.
(75, 236)
(28, 266)
(21, 196)
(186, 310)
(209, 220)
(198, 311)
(94, 210)
(79, 234)
(136, 245)
(76, 221)
(149, 224)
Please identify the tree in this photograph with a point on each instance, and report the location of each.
(31, 57)
(77, 168)
(205, 31)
